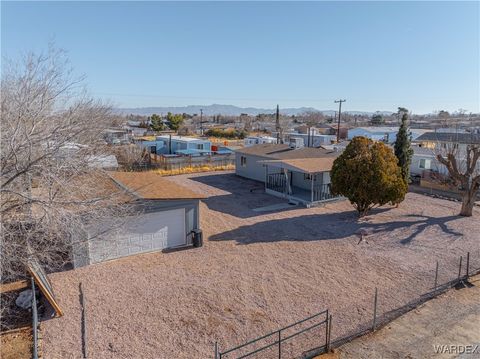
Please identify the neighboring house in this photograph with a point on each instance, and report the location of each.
(444, 140)
(180, 145)
(257, 140)
(382, 133)
(315, 139)
(424, 160)
(166, 216)
(117, 136)
(298, 174)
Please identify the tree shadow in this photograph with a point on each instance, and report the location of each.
(332, 226)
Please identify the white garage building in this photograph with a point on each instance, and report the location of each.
(166, 216)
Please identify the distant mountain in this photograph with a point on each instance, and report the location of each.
(230, 110)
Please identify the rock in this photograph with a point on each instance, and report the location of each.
(24, 299)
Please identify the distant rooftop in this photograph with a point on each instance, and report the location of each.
(181, 138)
(466, 138)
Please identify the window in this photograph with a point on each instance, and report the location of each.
(424, 163)
(243, 161)
(308, 177)
(199, 146)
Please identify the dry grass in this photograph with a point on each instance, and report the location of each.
(193, 169)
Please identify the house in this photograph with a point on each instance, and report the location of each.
(314, 139)
(165, 215)
(256, 140)
(301, 175)
(180, 145)
(424, 160)
(117, 136)
(444, 140)
(382, 133)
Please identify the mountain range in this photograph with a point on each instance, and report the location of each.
(230, 110)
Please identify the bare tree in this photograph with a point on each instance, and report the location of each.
(463, 165)
(50, 191)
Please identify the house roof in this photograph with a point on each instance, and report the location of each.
(305, 153)
(467, 138)
(422, 151)
(305, 165)
(264, 149)
(181, 138)
(284, 151)
(306, 160)
(151, 186)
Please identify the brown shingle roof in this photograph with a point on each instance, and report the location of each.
(151, 186)
(265, 149)
(306, 152)
(305, 165)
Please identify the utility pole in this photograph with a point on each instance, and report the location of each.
(277, 124)
(339, 115)
(201, 121)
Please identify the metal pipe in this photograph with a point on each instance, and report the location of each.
(280, 344)
(34, 321)
(375, 309)
(468, 265)
(460, 267)
(436, 276)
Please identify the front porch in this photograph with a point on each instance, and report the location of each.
(297, 184)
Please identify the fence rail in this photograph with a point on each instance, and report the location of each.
(322, 192)
(278, 339)
(277, 182)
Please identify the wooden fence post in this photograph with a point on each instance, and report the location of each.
(375, 310)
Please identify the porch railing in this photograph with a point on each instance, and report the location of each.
(276, 182)
(322, 192)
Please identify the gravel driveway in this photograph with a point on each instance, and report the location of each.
(258, 271)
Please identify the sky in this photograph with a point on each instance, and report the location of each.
(376, 55)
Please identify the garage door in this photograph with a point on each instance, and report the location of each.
(145, 233)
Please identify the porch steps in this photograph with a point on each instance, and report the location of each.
(274, 207)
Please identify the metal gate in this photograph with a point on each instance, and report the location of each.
(274, 342)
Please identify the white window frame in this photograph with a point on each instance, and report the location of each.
(243, 161)
(425, 164)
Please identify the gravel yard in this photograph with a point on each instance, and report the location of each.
(258, 271)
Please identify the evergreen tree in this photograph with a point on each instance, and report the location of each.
(367, 174)
(157, 123)
(403, 148)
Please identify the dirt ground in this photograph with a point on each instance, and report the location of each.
(257, 272)
(451, 319)
(16, 344)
